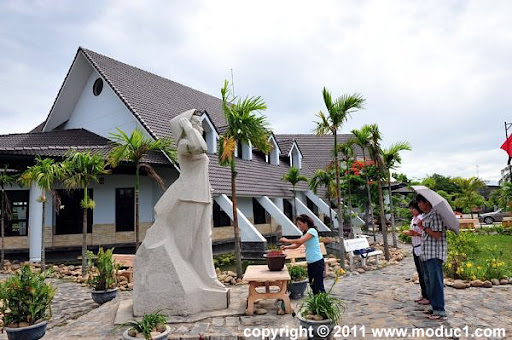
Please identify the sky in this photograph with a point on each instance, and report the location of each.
(434, 73)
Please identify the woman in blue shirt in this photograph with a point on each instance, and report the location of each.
(314, 258)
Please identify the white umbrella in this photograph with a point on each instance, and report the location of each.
(441, 206)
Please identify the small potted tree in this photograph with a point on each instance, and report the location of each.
(25, 304)
(102, 277)
(152, 326)
(321, 310)
(298, 282)
(275, 258)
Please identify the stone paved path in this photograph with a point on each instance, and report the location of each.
(380, 298)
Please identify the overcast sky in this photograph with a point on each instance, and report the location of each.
(435, 73)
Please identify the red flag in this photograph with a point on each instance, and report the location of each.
(507, 146)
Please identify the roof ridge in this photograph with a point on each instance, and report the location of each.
(47, 132)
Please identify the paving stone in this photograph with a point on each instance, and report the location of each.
(199, 328)
(218, 322)
(232, 321)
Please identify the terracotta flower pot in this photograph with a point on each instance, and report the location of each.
(275, 262)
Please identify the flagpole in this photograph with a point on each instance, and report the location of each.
(509, 158)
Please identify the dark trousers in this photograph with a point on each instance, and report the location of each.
(421, 275)
(316, 276)
(435, 285)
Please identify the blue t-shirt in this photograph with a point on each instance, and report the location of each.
(313, 252)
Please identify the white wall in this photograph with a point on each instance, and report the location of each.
(101, 114)
(245, 206)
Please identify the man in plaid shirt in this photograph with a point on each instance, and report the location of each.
(433, 255)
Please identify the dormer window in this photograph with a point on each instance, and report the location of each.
(273, 156)
(209, 134)
(295, 156)
(244, 151)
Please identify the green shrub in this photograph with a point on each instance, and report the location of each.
(323, 304)
(26, 297)
(404, 238)
(297, 273)
(149, 323)
(224, 260)
(104, 277)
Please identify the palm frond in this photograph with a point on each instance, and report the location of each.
(153, 174)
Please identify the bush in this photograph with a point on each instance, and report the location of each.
(26, 297)
(104, 277)
(223, 260)
(297, 273)
(404, 238)
(149, 323)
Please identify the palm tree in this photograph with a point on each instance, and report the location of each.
(469, 197)
(82, 169)
(391, 157)
(244, 125)
(133, 148)
(338, 111)
(376, 155)
(325, 178)
(362, 139)
(348, 157)
(293, 177)
(5, 180)
(43, 174)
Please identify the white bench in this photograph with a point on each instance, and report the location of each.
(356, 244)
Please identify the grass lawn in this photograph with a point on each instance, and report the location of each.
(502, 242)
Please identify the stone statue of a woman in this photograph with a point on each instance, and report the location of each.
(173, 269)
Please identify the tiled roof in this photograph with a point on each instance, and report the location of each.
(316, 150)
(38, 128)
(154, 100)
(57, 143)
(255, 178)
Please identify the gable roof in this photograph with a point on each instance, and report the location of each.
(152, 99)
(57, 143)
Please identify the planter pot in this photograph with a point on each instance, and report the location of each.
(102, 296)
(297, 288)
(320, 329)
(162, 336)
(275, 263)
(33, 332)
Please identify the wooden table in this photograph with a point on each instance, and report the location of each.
(258, 276)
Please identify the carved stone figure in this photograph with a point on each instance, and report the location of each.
(173, 269)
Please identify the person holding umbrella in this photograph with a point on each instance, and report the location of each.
(433, 254)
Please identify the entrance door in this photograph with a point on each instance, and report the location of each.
(125, 209)
(70, 216)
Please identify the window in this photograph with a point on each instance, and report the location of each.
(261, 216)
(125, 207)
(16, 222)
(220, 218)
(97, 87)
(288, 209)
(69, 218)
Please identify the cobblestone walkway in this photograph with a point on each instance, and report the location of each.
(381, 298)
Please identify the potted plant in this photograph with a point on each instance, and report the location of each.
(152, 326)
(102, 277)
(299, 281)
(26, 300)
(321, 310)
(275, 258)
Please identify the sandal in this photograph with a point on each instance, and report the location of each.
(424, 302)
(428, 311)
(437, 317)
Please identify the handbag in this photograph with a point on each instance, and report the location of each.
(364, 252)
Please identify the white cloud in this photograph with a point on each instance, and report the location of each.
(434, 73)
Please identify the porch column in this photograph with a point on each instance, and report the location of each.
(287, 226)
(35, 223)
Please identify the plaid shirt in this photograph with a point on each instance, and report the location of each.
(432, 248)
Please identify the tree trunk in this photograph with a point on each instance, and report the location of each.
(137, 194)
(349, 206)
(238, 246)
(84, 234)
(2, 206)
(370, 205)
(383, 221)
(338, 201)
(43, 250)
(294, 205)
(391, 211)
